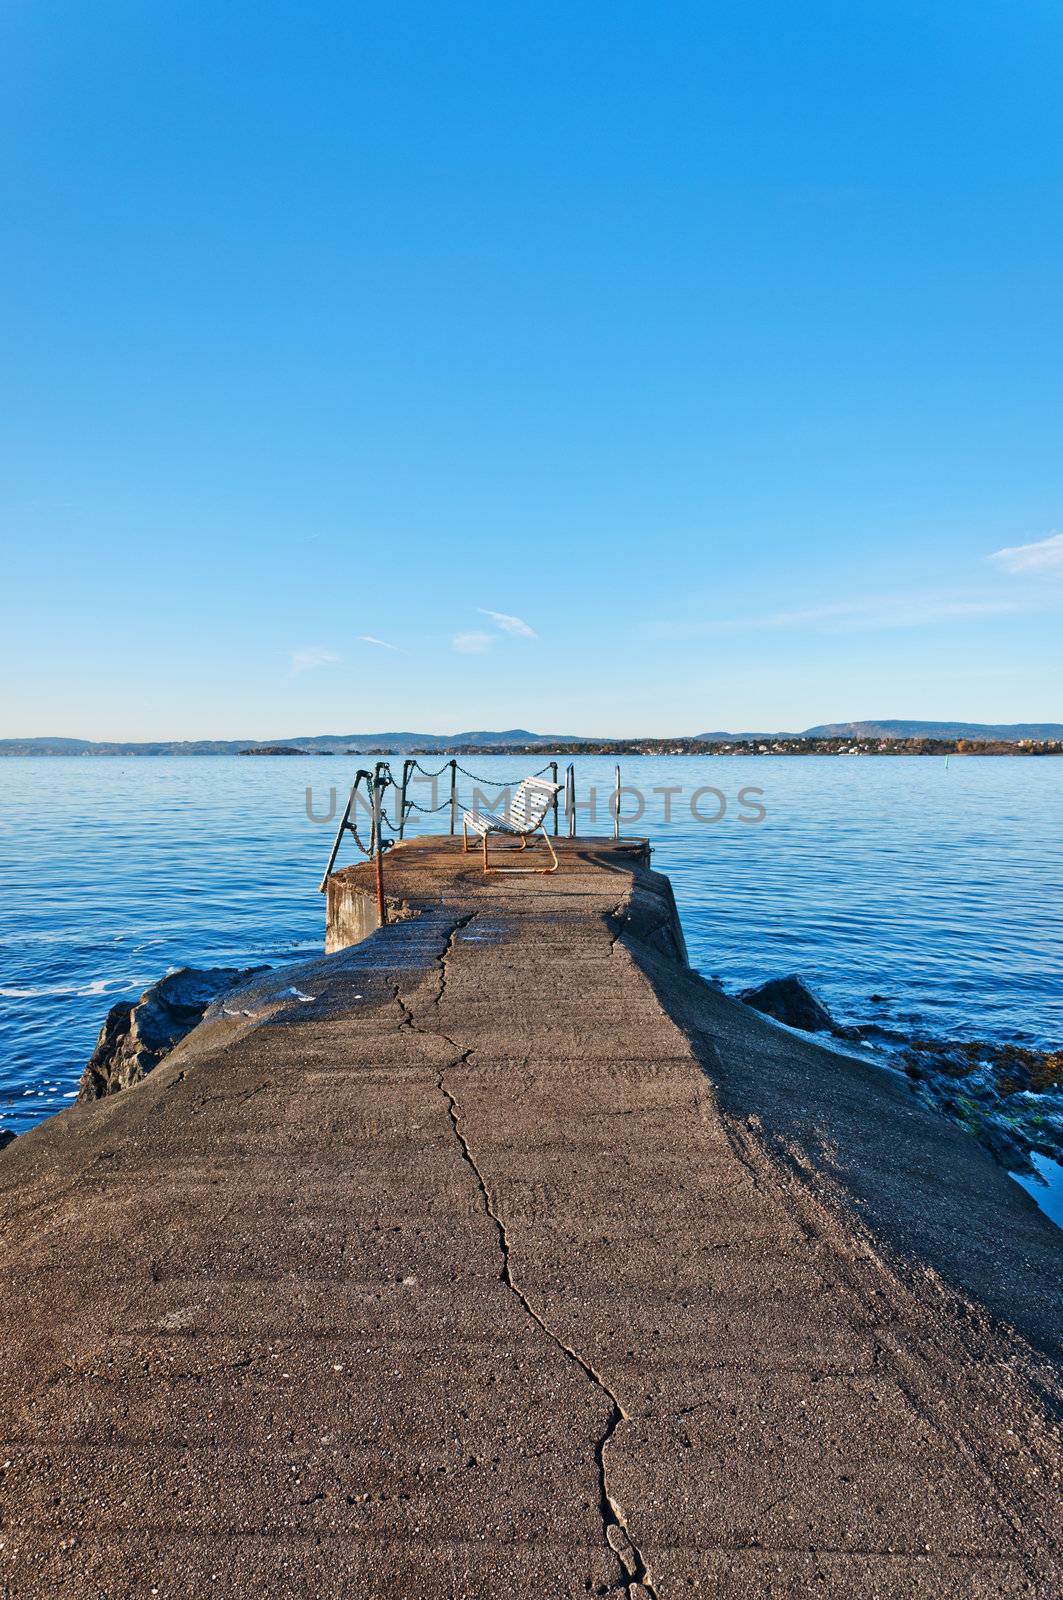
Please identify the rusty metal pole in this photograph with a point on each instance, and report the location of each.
(553, 775)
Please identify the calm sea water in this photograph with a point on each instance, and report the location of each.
(940, 889)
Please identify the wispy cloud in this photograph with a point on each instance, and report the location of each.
(1043, 558)
(966, 602)
(368, 638)
(309, 660)
(472, 644)
(509, 624)
(859, 616)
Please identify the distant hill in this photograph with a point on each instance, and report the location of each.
(312, 744)
(1009, 731)
(521, 738)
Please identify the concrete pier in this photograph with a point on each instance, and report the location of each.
(496, 1255)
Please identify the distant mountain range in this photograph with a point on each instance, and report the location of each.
(313, 744)
(903, 728)
(936, 730)
(341, 743)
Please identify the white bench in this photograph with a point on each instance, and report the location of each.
(524, 817)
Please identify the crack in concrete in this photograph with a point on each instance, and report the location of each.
(635, 1576)
(444, 957)
(635, 1572)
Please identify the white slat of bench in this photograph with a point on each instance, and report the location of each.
(530, 804)
(482, 824)
(527, 810)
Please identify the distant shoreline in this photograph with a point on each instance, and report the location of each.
(603, 747)
(792, 747)
(873, 736)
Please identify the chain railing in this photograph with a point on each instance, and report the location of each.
(372, 786)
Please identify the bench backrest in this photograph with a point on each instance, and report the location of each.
(531, 802)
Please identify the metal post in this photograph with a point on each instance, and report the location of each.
(571, 779)
(407, 767)
(453, 797)
(553, 775)
(616, 805)
(378, 792)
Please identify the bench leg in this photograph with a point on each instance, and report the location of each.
(465, 836)
(539, 871)
(549, 846)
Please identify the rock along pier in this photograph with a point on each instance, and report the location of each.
(495, 1254)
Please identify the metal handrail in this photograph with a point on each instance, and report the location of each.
(411, 765)
(346, 825)
(381, 778)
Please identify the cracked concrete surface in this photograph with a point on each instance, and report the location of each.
(633, 1573)
(520, 1263)
(617, 1535)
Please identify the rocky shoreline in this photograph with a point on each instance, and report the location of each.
(137, 1035)
(1008, 1096)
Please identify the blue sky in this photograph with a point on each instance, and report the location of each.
(616, 368)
